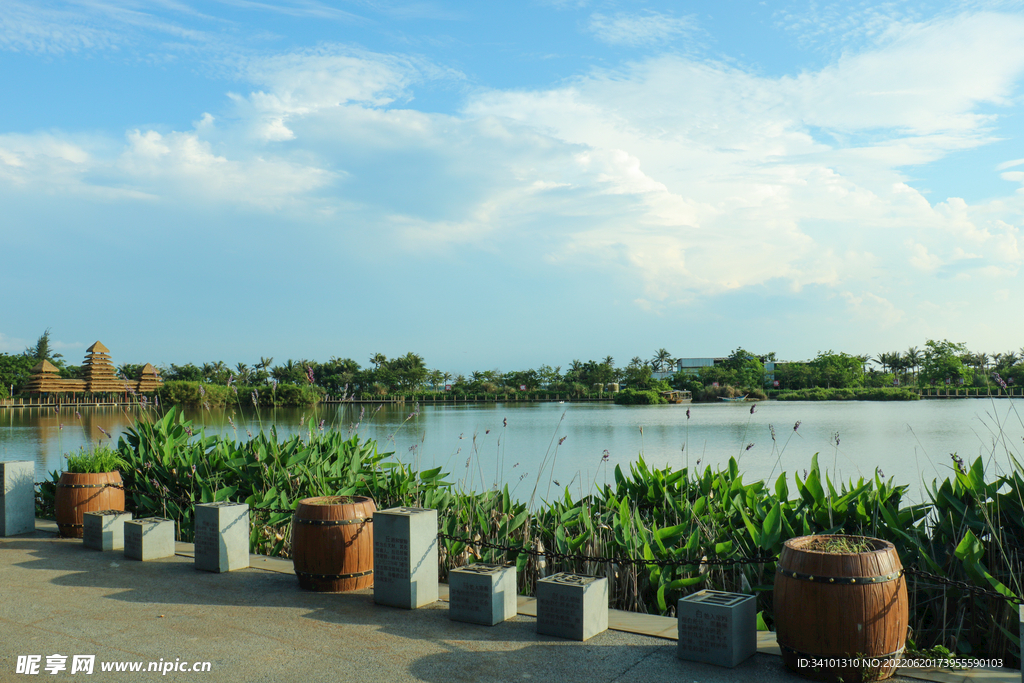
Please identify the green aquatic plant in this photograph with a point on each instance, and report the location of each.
(98, 459)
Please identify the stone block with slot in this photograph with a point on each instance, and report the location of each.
(716, 627)
(405, 557)
(222, 536)
(572, 606)
(482, 594)
(104, 529)
(149, 539)
(17, 498)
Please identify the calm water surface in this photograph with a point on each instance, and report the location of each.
(539, 449)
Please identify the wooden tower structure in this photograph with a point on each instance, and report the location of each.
(98, 371)
(98, 377)
(46, 379)
(150, 380)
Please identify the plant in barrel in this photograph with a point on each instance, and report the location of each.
(89, 483)
(332, 534)
(841, 608)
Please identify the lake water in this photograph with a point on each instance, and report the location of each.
(540, 448)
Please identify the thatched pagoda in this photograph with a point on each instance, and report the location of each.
(150, 380)
(99, 377)
(99, 373)
(46, 379)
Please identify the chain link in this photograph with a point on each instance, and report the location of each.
(555, 555)
(962, 585)
(182, 501)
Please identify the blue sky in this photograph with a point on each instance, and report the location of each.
(509, 184)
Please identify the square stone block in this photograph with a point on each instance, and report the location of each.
(104, 529)
(482, 594)
(17, 497)
(222, 536)
(716, 627)
(149, 539)
(405, 557)
(573, 606)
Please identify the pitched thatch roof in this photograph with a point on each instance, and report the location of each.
(43, 366)
(98, 347)
(150, 380)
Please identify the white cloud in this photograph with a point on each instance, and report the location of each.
(637, 29)
(684, 178)
(28, 27)
(726, 173)
(874, 310)
(12, 344)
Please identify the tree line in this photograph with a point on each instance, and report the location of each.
(937, 363)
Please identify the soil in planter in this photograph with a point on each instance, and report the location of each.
(331, 500)
(838, 545)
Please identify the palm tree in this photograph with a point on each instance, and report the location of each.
(378, 359)
(997, 360)
(636, 362)
(661, 359)
(913, 357)
(883, 360)
(609, 361)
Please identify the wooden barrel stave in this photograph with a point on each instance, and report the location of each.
(841, 620)
(337, 556)
(78, 493)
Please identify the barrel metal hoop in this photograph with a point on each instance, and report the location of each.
(808, 655)
(82, 486)
(839, 580)
(73, 526)
(335, 522)
(309, 575)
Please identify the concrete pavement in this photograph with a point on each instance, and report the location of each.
(258, 625)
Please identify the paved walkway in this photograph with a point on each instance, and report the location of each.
(258, 625)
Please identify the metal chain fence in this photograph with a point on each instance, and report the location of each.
(558, 556)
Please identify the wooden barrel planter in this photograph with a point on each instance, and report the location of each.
(332, 543)
(78, 493)
(831, 608)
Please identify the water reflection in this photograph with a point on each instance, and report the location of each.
(540, 449)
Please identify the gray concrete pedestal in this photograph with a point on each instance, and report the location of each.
(17, 497)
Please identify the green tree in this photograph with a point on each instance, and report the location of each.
(132, 371)
(748, 369)
(717, 373)
(913, 357)
(337, 375)
(528, 378)
(794, 376)
(639, 377)
(838, 370)
(42, 351)
(182, 373)
(15, 370)
(548, 375)
(942, 361)
(662, 359)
